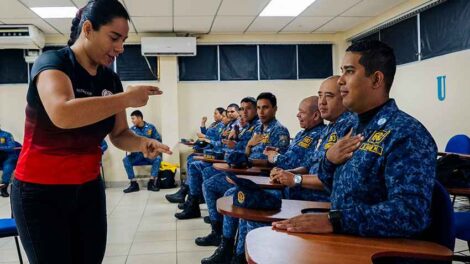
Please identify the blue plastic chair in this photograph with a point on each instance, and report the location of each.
(462, 226)
(458, 144)
(8, 229)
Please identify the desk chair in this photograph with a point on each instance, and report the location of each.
(458, 144)
(8, 229)
(462, 227)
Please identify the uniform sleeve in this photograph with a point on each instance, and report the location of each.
(203, 130)
(409, 178)
(281, 139)
(50, 60)
(9, 142)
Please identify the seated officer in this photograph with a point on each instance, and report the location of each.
(8, 158)
(381, 180)
(144, 129)
(269, 133)
(214, 132)
(191, 208)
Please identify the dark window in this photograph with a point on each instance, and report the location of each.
(403, 38)
(277, 62)
(202, 67)
(132, 66)
(13, 67)
(238, 62)
(445, 28)
(46, 48)
(315, 61)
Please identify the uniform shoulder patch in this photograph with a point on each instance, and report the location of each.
(241, 197)
(306, 142)
(378, 136)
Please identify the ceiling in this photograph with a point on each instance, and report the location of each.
(211, 16)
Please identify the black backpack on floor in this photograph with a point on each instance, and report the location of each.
(167, 179)
(453, 171)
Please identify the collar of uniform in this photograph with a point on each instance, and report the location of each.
(271, 124)
(387, 112)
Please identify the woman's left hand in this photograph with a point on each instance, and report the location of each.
(151, 148)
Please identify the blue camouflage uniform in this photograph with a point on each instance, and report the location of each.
(214, 131)
(275, 135)
(385, 189)
(137, 158)
(10, 156)
(329, 135)
(195, 167)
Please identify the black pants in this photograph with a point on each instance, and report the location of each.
(61, 223)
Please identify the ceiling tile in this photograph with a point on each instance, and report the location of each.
(199, 24)
(38, 22)
(269, 24)
(372, 7)
(153, 24)
(15, 10)
(342, 24)
(328, 7)
(242, 7)
(306, 24)
(47, 3)
(62, 24)
(149, 7)
(196, 8)
(231, 24)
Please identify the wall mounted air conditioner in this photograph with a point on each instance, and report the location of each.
(168, 46)
(21, 37)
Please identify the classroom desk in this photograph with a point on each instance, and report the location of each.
(266, 245)
(441, 154)
(202, 158)
(248, 171)
(263, 182)
(289, 209)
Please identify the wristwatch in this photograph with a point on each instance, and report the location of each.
(336, 218)
(298, 179)
(275, 158)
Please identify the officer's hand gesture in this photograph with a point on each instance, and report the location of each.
(151, 148)
(306, 223)
(138, 95)
(343, 150)
(200, 135)
(270, 152)
(229, 143)
(282, 176)
(255, 140)
(203, 121)
(232, 134)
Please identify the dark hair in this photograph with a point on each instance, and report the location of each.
(221, 110)
(137, 113)
(249, 100)
(98, 12)
(234, 106)
(268, 96)
(376, 56)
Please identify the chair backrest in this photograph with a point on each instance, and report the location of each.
(442, 227)
(458, 144)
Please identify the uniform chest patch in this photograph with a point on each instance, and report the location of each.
(149, 132)
(2, 140)
(331, 140)
(306, 142)
(373, 144)
(241, 197)
(265, 139)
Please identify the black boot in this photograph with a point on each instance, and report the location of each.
(239, 259)
(153, 184)
(133, 187)
(181, 206)
(207, 219)
(179, 196)
(190, 211)
(223, 253)
(213, 239)
(4, 190)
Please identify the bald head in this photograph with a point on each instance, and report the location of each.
(308, 114)
(330, 102)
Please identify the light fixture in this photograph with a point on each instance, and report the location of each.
(290, 8)
(55, 12)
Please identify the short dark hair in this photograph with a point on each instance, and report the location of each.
(221, 110)
(234, 105)
(137, 113)
(268, 96)
(376, 56)
(249, 100)
(98, 12)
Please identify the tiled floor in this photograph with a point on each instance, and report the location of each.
(142, 229)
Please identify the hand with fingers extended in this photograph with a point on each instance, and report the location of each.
(255, 140)
(151, 148)
(138, 95)
(281, 176)
(343, 150)
(306, 223)
(203, 121)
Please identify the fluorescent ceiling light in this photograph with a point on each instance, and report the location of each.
(55, 12)
(286, 7)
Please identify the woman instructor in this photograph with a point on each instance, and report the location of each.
(74, 101)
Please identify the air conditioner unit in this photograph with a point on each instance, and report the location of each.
(21, 37)
(168, 46)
